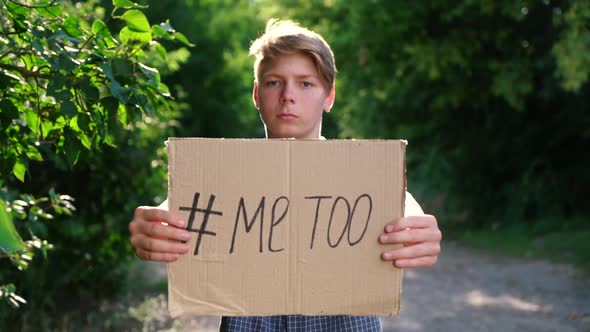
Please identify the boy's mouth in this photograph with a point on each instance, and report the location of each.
(286, 116)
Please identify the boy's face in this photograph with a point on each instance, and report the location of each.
(291, 97)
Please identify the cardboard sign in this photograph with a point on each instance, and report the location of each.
(285, 226)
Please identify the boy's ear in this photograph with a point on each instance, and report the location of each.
(330, 99)
(255, 95)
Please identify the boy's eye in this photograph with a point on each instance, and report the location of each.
(306, 84)
(272, 83)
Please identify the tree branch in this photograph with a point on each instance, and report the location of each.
(24, 71)
(33, 6)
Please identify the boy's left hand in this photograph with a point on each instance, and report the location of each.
(420, 237)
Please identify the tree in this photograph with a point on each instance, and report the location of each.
(69, 89)
(492, 97)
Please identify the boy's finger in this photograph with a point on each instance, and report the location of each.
(156, 256)
(411, 236)
(426, 261)
(176, 220)
(411, 252)
(157, 229)
(159, 246)
(423, 221)
(151, 213)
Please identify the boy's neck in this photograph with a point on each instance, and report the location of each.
(320, 137)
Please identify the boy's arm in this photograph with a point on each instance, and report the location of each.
(419, 234)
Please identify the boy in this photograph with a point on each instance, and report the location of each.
(294, 84)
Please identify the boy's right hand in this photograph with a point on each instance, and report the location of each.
(156, 234)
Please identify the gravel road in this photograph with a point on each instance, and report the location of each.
(468, 290)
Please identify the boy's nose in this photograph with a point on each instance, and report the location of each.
(287, 94)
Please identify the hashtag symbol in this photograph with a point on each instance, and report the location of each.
(191, 219)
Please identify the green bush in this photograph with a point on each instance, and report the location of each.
(83, 113)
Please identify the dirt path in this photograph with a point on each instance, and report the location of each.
(468, 290)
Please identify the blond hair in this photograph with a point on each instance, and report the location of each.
(288, 37)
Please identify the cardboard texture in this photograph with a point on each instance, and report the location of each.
(285, 226)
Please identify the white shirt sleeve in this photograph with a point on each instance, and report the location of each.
(164, 205)
(412, 208)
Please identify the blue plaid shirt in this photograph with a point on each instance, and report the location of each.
(300, 323)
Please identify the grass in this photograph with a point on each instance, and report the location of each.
(561, 242)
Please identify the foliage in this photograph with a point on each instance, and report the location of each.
(71, 93)
(492, 97)
(217, 80)
(557, 240)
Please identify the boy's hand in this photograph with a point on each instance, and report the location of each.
(156, 234)
(420, 237)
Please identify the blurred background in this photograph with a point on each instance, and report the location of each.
(493, 97)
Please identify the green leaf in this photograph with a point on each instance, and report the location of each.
(61, 34)
(102, 32)
(126, 4)
(6, 80)
(19, 16)
(33, 153)
(83, 122)
(123, 69)
(127, 36)
(68, 108)
(65, 62)
(10, 241)
(58, 85)
(72, 27)
(99, 121)
(32, 120)
(46, 127)
(9, 288)
(161, 50)
(119, 92)
(74, 124)
(163, 90)
(110, 105)
(166, 26)
(136, 21)
(158, 31)
(7, 110)
(86, 142)
(151, 73)
(71, 148)
(49, 12)
(182, 38)
(98, 26)
(19, 169)
(107, 70)
(90, 91)
(122, 114)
